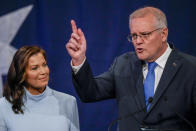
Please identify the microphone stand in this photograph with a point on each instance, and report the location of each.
(179, 115)
(130, 115)
(151, 129)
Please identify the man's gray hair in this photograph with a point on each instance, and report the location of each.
(161, 20)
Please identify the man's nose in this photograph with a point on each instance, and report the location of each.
(139, 39)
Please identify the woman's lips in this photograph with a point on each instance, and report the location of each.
(44, 78)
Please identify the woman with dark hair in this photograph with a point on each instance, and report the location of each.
(28, 103)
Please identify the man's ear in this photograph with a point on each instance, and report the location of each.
(164, 34)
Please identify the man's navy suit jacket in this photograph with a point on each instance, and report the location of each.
(174, 99)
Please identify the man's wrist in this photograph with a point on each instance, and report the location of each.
(76, 68)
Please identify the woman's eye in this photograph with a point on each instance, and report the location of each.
(45, 64)
(34, 68)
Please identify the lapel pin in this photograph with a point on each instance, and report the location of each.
(174, 64)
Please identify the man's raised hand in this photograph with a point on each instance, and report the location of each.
(76, 46)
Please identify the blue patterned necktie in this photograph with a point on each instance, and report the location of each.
(149, 83)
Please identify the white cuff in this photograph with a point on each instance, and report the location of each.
(77, 68)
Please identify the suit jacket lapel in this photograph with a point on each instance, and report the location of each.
(172, 66)
(139, 97)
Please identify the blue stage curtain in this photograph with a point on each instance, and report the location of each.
(105, 25)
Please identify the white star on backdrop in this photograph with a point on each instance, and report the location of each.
(9, 25)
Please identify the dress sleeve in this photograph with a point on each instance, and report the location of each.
(73, 127)
(68, 108)
(2, 120)
(75, 118)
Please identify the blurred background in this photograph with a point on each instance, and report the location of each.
(46, 23)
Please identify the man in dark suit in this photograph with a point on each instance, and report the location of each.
(162, 97)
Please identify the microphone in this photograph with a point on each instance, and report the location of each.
(179, 115)
(150, 99)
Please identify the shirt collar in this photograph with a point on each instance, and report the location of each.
(39, 97)
(161, 61)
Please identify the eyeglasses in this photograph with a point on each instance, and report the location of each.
(144, 35)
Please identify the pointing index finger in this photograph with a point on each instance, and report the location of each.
(74, 27)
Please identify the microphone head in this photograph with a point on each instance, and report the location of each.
(150, 99)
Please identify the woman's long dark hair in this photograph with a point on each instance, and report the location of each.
(14, 87)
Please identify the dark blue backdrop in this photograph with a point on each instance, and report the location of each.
(105, 24)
